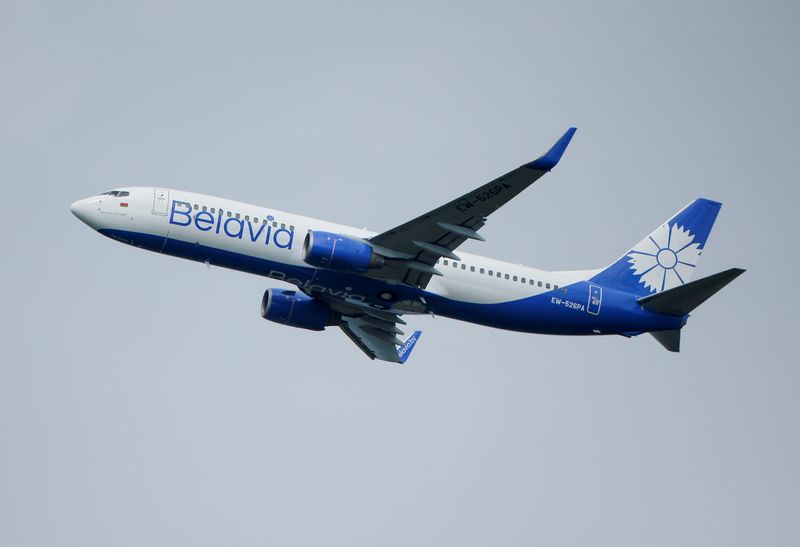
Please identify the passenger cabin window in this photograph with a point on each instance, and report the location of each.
(463, 266)
(540, 283)
(237, 215)
(506, 276)
(196, 207)
(247, 218)
(515, 278)
(444, 262)
(472, 268)
(204, 208)
(481, 270)
(547, 285)
(491, 272)
(522, 280)
(229, 214)
(531, 281)
(213, 210)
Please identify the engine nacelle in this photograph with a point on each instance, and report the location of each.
(295, 309)
(338, 252)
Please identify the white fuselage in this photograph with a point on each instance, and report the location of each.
(277, 236)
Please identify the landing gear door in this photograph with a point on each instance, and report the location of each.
(160, 201)
(595, 300)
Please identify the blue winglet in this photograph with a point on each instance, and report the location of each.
(404, 351)
(550, 160)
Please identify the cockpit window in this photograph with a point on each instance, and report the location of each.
(116, 193)
(123, 193)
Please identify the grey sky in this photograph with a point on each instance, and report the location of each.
(144, 402)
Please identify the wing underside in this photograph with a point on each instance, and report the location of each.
(375, 337)
(375, 332)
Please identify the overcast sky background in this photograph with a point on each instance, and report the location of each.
(143, 401)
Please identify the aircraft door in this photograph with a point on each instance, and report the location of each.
(160, 201)
(595, 299)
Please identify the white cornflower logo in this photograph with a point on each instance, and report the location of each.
(666, 258)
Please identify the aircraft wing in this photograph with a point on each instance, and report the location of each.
(376, 342)
(412, 249)
(374, 331)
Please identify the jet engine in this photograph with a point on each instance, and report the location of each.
(295, 309)
(338, 252)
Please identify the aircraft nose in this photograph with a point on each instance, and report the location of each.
(78, 209)
(83, 210)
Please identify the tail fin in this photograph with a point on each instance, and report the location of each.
(668, 256)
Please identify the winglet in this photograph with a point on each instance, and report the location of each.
(550, 160)
(404, 351)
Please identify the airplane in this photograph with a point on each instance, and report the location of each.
(364, 282)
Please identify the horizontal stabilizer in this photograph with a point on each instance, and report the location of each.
(670, 339)
(683, 299)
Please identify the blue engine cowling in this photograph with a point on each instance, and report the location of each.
(338, 252)
(295, 309)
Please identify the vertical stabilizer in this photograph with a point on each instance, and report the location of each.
(666, 258)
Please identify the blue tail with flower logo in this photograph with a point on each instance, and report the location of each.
(659, 269)
(668, 257)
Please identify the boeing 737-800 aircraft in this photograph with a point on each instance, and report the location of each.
(364, 282)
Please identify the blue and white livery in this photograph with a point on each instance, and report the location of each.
(363, 282)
